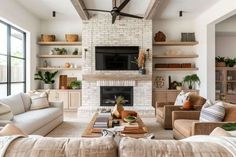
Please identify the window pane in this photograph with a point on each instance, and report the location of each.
(17, 70)
(17, 88)
(17, 43)
(3, 68)
(3, 90)
(3, 39)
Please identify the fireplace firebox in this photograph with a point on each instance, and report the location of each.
(109, 93)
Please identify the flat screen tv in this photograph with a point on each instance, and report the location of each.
(116, 57)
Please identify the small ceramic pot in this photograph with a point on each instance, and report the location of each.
(47, 86)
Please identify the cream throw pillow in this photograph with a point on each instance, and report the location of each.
(220, 132)
(11, 129)
(39, 100)
(181, 98)
(5, 112)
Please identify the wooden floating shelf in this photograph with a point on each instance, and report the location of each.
(59, 43)
(59, 56)
(121, 77)
(52, 68)
(175, 56)
(226, 68)
(175, 69)
(174, 90)
(175, 43)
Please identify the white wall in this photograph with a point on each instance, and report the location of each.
(13, 13)
(225, 46)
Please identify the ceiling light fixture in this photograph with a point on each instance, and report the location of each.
(180, 13)
(53, 13)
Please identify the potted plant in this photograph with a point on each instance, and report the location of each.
(220, 61)
(75, 85)
(179, 85)
(191, 80)
(120, 101)
(47, 78)
(230, 62)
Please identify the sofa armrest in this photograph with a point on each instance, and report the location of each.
(57, 104)
(162, 104)
(205, 128)
(4, 122)
(168, 109)
(192, 115)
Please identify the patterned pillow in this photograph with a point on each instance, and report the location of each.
(181, 98)
(5, 112)
(39, 101)
(212, 112)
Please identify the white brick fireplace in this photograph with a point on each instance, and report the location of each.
(125, 32)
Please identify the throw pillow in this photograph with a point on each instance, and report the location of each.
(181, 98)
(11, 129)
(39, 101)
(219, 132)
(5, 112)
(212, 112)
(187, 105)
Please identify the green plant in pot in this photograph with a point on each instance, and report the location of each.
(191, 80)
(230, 62)
(220, 61)
(120, 101)
(75, 85)
(47, 78)
(179, 85)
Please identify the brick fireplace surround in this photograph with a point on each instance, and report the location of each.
(126, 32)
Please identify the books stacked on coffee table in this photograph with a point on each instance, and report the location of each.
(101, 121)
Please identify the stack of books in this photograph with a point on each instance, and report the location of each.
(102, 121)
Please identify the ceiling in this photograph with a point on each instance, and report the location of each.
(168, 9)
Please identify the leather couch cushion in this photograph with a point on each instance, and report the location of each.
(160, 111)
(184, 126)
(32, 120)
(15, 103)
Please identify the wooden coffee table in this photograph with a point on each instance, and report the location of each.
(137, 132)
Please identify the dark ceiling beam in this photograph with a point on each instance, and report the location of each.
(117, 2)
(152, 7)
(80, 6)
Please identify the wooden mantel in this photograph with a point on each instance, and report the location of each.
(120, 77)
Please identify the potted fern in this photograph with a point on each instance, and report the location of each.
(191, 80)
(230, 62)
(220, 61)
(47, 78)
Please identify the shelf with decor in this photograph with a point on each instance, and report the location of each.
(58, 43)
(175, 56)
(175, 69)
(59, 56)
(175, 43)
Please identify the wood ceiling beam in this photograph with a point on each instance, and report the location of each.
(80, 6)
(152, 7)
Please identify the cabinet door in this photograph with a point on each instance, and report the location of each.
(75, 100)
(53, 96)
(64, 96)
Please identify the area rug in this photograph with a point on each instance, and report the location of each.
(74, 127)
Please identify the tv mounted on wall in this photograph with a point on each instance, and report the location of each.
(116, 57)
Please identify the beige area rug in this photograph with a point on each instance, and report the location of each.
(74, 127)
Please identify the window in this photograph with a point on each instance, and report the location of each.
(12, 60)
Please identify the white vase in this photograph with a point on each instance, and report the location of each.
(47, 86)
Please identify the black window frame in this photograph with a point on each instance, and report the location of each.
(10, 56)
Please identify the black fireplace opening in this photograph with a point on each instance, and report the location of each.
(109, 93)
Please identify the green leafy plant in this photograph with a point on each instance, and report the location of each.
(229, 126)
(230, 62)
(46, 77)
(75, 84)
(220, 59)
(179, 84)
(191, 80)
(61, 51)
(120, 100)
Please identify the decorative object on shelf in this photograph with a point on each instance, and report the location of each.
(47, 38)
(67, 65)
(120, 101)
(45, 64)
(127, 113)
(75, 52)
(220, 61)
(72, 37)
(161, 65)
(173, 85)
(172, 53)
(159, 82)
(230, 62)
(179, 86)
(191, 80)
(169, 82)
(188, 37)
(47, 78)
(63, 82)
(70, 79)
(160, 37)
(130, 119)
(59, 51)
(75, 85)
(174, 65)
(186, 65)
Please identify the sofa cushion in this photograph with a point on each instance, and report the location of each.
(26, 100)
(212, 112)
(184, 126)
(5, 112)
(230, 112)
(15, 103)
(39, 101)
(160, 111)
(32, 120)
(181, 98)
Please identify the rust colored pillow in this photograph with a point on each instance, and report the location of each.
(187, 105)
(230, 112)
(11, 129)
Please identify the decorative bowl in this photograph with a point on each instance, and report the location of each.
(130, 119)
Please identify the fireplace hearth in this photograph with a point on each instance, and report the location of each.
(109, 93)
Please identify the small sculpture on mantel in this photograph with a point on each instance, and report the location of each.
(160, 37)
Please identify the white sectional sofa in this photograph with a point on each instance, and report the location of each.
(36, 122)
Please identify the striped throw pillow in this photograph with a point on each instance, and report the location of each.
(5, 112)
(212, 112)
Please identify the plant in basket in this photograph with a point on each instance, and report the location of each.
(220, 61)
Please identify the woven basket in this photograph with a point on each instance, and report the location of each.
(48, 38)
(72, 37)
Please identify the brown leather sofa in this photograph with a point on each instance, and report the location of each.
(164, 110)
(187, 124)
